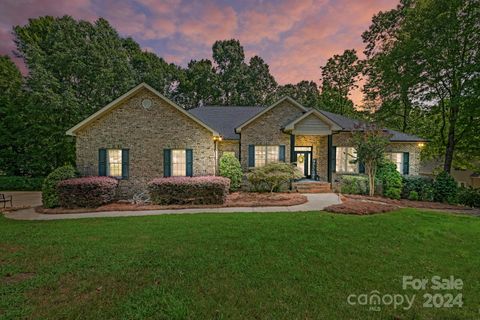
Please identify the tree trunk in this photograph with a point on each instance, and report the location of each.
(371, 180)
(447, 166)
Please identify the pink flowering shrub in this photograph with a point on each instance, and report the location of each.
(86, 192)
(189, 190)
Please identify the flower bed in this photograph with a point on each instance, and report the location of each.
(88, 192)
(189, 190)
(237, 199)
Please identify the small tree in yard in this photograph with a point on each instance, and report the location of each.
(230, 168)
(370, 144)
(272, 176)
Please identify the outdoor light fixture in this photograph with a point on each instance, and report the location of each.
(421, 144)
(217, 138)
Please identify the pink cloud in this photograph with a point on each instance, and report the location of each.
(207, 22)
(269, 21)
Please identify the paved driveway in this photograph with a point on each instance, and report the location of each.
(24, 198)
(315, 202)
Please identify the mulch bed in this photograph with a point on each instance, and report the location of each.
(363, 205)
(236, 199)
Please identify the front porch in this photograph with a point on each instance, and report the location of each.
(311, 145)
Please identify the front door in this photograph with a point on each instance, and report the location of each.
(303, 157)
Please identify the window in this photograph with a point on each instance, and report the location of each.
(266, 154)
(345, 158)
(179, 163)
(114, 163)
(397, 158)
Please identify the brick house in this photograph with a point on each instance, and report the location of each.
(142, 135)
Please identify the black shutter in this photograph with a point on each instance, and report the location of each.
(251, 155)
(125, 163)
(406, 163)
(167, 160)
(189, 159)
(281, 153)
(102, 162)
(361, 167)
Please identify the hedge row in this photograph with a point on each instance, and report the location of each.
(88, 192)
(189, 190)
(16, 183)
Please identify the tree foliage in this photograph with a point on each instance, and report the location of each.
(370, 143)
(423, 70)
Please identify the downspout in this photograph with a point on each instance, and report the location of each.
(215, 143)
(329, 160)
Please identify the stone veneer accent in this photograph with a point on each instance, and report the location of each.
(319, 152)
(267, 130)
(145, 133)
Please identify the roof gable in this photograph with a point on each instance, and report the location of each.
(115, 103)
(312, 123)
(278, 102)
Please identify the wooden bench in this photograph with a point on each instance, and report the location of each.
(5, 200)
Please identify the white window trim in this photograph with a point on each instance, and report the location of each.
(173, 164)
(346, 161)
(108, 164)
(266, 160)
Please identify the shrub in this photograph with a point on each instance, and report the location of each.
(413, 195)
(230, 168)
(445, 188)
(49, 188)
(423, 186)
(17, 183)
(390, 179)
(469, 197)
(353, 184)
(272, 176)
(189, 190)
(88, 192)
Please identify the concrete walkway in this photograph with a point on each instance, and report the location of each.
(315, 202)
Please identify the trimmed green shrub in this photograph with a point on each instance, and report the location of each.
(230, 168)
(49, 188)
(18, 183)
(189, 190)
(445, 188)
(469, 197)
(423, 186)
(273, 176)
(88, 192)
(353, 184)
(413, 195)
(390, 179)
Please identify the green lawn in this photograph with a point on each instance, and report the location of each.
(234, 266)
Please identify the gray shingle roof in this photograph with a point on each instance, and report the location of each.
(225, 119)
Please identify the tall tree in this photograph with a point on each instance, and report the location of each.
(10, 103)
(199, 85)
(75, 68)
(441, 38)
(232, 70)
(152, 69)
(305, 92)
(262, 84)
(339, 78)
(389, 89)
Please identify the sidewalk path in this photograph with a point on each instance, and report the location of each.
(315, 202)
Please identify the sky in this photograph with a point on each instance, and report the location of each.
(295, 37)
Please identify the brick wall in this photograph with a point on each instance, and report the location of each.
(267, 130)
(146, 133)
